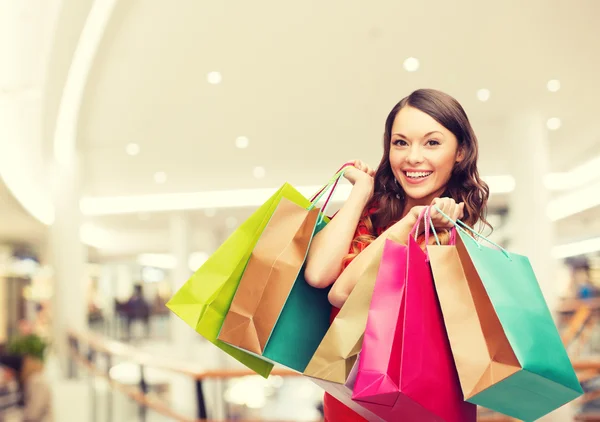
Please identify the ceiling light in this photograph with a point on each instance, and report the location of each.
(576, 177)
(210, 212)
(483, 94)
(500, 184)
(553, 85)
(242, 142)
(157, 260)
(234, 198)
(196, 260)
(259, 172)
(411, 64)
(576, 201)
(553, 123)
(577, 248)
(231, 222)
(214, 78)
(132, 149)
(95, 236)
(169, 262)
(160, 177)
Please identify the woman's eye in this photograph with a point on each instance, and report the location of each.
(400, 142)
(432, 142)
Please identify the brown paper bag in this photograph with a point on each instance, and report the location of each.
(337, 353)
(269, 277)
(482, 353)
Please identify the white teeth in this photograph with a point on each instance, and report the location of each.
(418, 173)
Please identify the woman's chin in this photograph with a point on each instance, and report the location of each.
(417, 193)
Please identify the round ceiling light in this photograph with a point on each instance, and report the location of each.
(132, 149)
(214, 78)
(483, 94)
(259, 172)
(242, 142)
(553, 123)
(411, 64)
(553, 85)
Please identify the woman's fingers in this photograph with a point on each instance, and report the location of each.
(449, 208)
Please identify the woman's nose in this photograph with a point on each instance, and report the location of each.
(415, 155)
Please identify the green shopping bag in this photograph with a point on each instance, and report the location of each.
(275, 313)
(203, 301)
(508, 352)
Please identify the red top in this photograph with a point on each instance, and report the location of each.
(333, 409)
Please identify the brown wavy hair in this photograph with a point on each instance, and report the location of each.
(465, 184)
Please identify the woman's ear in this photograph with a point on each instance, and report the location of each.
(460, 155)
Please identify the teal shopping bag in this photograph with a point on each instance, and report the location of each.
(528, 373)
(302, 324)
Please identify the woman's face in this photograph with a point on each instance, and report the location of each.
(422, 155)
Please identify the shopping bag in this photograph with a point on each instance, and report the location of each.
(507, 350)
(406, 355)
(302, 324)
(274, 312)
(336, 355)
(379, 369)
(333, 365)
(269, 277)
(203, 301)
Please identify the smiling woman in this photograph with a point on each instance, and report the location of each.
(430, 157)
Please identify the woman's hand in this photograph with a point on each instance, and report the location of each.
(361, 175)
(359, 172)
(448, 206)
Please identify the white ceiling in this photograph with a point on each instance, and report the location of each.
(16, 226)
(310, 83)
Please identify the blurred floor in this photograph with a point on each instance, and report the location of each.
(292, 399)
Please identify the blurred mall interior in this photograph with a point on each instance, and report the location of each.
(136, 135)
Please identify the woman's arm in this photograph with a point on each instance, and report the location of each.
(331, 245)
(345, 283)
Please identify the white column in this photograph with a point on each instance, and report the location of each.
(182, 336)
(107, 288)
(68, 257)
(532, 232)
(180, 249)
(186, 343)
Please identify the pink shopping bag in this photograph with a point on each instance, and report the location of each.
(406, 371)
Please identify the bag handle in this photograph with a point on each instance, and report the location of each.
(462, 226)
(424, 215)
(333, 182)
(429, 222)
(316, 195)
(429, 228)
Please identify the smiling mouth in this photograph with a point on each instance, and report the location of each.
(417, 175)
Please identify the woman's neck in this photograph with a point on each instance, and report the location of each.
(423, 202)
